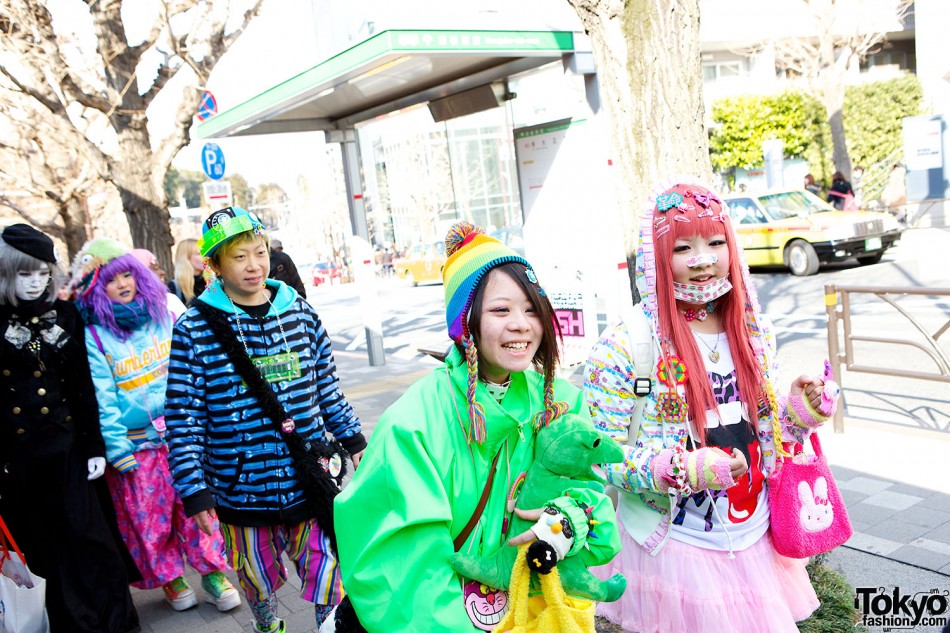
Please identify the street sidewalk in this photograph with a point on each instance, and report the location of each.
(894, 481)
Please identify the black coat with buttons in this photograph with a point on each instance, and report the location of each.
(49, 428)
(47, 399)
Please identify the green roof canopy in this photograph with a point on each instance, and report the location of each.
(389, 71)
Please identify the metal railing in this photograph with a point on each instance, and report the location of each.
(838, 307)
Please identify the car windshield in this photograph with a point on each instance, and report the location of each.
(790, 204)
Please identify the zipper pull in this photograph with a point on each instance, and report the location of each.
(521, 432)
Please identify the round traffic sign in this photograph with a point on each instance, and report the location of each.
(212, 161)
(207, 107)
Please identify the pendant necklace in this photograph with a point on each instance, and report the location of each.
(713, 351)
(241, 331)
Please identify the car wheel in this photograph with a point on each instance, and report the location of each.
(412, 280)
(866, 260)
(801, 258)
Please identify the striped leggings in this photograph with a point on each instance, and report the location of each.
(255, 554)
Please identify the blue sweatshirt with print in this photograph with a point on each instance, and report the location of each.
(129, 377)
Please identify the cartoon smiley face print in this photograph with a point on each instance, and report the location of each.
(484, 605)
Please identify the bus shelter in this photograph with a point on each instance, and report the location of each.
(454, 72)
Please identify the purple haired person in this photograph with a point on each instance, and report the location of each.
(129, 315)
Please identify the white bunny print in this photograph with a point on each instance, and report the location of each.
(816, 513)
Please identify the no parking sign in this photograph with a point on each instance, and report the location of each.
(208, 106)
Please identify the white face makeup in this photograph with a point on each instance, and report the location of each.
(31, 284)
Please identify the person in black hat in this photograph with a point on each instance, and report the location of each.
(51, 448)
(283, 268)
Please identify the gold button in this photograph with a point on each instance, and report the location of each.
(41, 392)
(44, 410)
(37, 374)
(6, 372)
(16, 410)
(20, 431)
(35, 320)
(69, 418)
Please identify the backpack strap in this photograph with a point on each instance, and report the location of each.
(642, 350)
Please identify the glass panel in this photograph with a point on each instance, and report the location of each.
(729, 70)
(792, 203)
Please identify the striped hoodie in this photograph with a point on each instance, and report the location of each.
(224, 452)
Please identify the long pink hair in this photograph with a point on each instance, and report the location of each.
(731, 306)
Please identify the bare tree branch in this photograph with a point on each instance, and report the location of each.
(48, 227)
(823, 62)
(85, 108)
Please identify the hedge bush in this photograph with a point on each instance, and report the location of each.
(872, 120)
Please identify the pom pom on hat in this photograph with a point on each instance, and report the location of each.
(94, 255)
(459, 234)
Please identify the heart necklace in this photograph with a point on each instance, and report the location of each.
(713, 351)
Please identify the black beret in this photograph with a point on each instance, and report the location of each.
(26, 239)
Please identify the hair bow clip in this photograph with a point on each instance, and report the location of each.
(666, 201)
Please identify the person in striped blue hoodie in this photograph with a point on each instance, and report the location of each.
(227, 456)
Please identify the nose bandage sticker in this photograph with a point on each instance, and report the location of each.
(698, 261)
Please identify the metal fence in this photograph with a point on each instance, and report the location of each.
(838, 307)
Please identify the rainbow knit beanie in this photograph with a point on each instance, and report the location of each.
(471, 255)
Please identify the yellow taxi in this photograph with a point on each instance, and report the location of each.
(422, 263)
(797, 229)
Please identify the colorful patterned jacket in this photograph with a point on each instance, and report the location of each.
(630, 348)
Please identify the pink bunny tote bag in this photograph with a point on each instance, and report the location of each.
(808, 515)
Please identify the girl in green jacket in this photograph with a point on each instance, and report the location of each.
(418, 487)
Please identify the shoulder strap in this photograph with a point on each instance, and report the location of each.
(7, 543)
(95, 336)
(224, 334)
(463, 535)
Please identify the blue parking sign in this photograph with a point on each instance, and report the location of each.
(212, 161)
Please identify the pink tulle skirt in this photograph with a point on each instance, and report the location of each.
(687, 589)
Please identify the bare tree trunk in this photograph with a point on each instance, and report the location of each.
(839, 153)
(148, 223)
(648, 65)
(74, 213)
(143, 199)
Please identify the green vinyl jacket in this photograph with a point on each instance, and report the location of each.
(418, 485)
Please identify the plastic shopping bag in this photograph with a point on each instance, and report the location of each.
(22, 593)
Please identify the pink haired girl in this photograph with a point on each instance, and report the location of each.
(686, 382)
